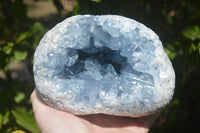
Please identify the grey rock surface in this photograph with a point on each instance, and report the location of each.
(103, 64)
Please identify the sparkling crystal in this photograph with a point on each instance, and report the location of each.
(103, 64)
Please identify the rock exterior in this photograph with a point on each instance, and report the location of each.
(103, 64)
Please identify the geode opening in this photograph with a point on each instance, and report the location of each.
(103, 64)
(104, 56)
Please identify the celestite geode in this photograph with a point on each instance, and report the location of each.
(103, 64)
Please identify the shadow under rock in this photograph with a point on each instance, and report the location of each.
(110, 121)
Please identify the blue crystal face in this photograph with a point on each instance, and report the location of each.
(103, 64)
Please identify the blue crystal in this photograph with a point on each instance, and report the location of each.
(103, 64)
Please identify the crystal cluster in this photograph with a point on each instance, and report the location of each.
(103, 64)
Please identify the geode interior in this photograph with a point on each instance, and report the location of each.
(103, 64)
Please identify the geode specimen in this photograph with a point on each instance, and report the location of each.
(103, 64)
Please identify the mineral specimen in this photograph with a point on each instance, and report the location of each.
(103, 64)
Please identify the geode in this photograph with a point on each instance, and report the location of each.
(103, 64)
